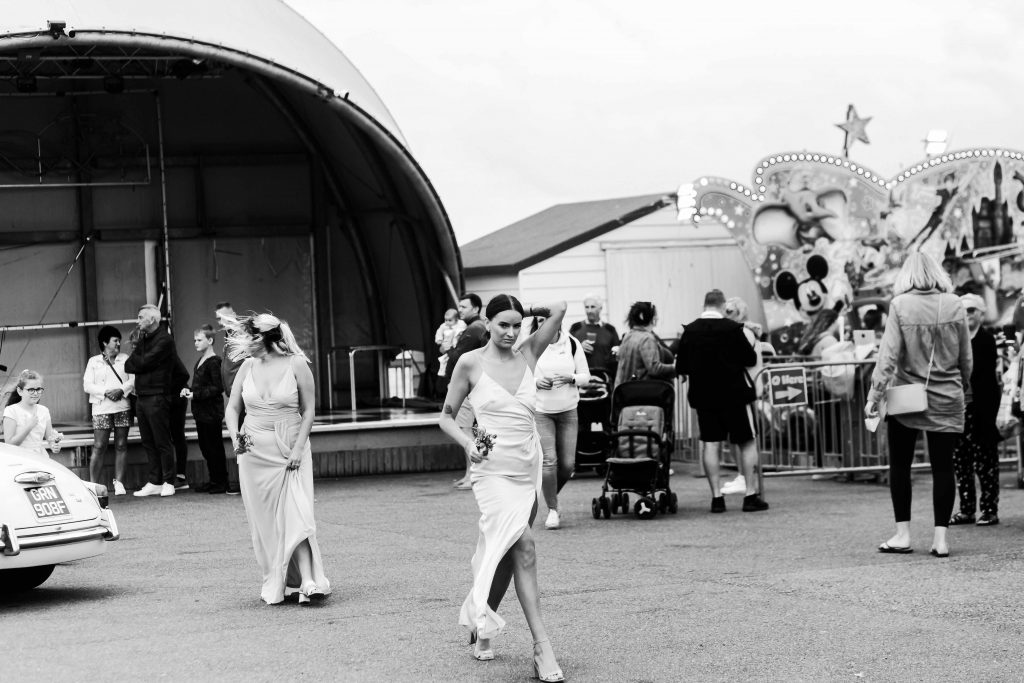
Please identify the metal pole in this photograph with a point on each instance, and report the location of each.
(352, 378)
(163, 207)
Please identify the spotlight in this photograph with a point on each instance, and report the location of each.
(56, 29)
(26, 83)
(183, 68)
(936, 142)
(113, 84)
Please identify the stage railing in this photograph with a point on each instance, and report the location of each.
(382, 370)
(824, 434)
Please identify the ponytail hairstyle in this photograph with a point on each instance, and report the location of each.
(641, 314)
(248, 334)
(23, 379)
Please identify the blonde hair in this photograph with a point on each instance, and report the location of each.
(734, 303)
(923, 273)
(248, 334)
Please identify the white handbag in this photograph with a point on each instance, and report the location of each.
(911, 398)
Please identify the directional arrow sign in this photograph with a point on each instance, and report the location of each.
(788, 387)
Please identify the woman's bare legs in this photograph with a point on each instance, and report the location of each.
(100, 439)
(503, 577)
(120, 452)
(304, 560)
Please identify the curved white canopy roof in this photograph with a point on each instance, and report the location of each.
(266, 30)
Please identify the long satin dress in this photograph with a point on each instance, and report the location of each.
(505, 484)
(278, 501)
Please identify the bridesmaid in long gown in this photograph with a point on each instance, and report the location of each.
(498, 382)
(274, 459)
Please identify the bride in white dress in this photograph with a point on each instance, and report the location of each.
(498, 382)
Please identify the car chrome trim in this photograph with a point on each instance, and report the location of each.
(74, 525)
(34, 477)
(63, 538)
(9, 539)
(111, 524)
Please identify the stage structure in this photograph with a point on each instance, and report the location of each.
(192, 152)
(824, 235)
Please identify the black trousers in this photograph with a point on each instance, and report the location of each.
(154, 416)
(975, 454)
(211, 443)
(902, 441)
(179, 406)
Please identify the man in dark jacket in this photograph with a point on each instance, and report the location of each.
(977, 451)
(473, 337)
(153, 361)
(714, 355)
(600, 341)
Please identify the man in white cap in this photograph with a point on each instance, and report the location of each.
(977, 451)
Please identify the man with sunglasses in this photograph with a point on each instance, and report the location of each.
(977, 451)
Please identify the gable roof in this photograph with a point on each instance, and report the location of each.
(552, 231)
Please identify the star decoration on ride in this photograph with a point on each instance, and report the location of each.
(854, 129)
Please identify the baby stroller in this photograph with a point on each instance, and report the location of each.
(642, 411)
(593, 443)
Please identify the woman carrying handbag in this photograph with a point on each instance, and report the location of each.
(925, 354)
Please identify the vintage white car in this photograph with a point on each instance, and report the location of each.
(47, 516)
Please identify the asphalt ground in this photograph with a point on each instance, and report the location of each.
(797, 593)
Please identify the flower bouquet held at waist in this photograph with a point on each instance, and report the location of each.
(244, 444)
(484, 441)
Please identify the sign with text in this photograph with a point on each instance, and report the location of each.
(788, 387)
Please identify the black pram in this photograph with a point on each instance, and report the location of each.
(642, 411)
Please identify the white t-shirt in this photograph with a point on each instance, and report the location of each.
(558, 359)
(36, 439)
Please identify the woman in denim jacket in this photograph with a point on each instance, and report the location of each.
(924, 315)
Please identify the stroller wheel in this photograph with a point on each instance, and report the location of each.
(662, 502)
(673, 503)
(606, 507)
(595, 509)
(624, 502)
(645, 508)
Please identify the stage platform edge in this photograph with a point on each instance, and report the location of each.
(344, 444)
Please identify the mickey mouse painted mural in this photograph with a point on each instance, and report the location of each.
(807, 295)
(802, 217)
(820, 232)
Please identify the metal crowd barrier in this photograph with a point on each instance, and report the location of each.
(820, 427)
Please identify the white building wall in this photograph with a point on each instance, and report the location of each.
(487, 286)
(654, 258)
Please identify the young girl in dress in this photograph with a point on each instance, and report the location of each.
(26, 423)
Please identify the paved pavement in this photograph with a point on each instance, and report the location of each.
(794, 594)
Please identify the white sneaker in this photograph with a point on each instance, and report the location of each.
(119, 488)
(552, 521)
(737, 485)
(167, 490)
(150, 490)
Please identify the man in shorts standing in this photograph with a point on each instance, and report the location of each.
(714, 355)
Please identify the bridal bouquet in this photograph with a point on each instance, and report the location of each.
(484, 441)
(244, 444)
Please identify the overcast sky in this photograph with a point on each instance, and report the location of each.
(512, 107)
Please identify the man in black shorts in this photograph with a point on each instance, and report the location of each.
(714, 355)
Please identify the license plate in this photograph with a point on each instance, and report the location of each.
(47, 502)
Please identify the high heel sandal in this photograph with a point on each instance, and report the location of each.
(551, 677)
(309, 594)
(478, 654)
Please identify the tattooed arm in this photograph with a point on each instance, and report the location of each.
(458, 389)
